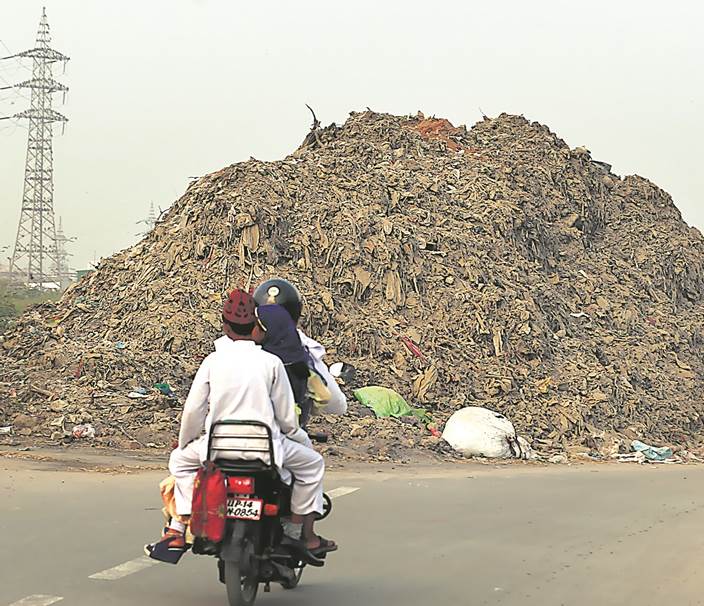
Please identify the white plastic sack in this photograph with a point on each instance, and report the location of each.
(480, 432)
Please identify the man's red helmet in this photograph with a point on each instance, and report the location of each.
(239, 308)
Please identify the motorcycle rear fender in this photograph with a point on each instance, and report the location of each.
(231, 548)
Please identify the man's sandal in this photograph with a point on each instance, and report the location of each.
(299, 549)
(326, 546)
(170, 548)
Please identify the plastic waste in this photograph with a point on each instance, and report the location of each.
(5, 430)
(164, 388)
(120, 345)
(342, 370)
(652, 453)
(480, 432)
(413, 348)
(83, 431)
(432, 428)
(138, 393)
(633, 457)
(527, 453)
(386, 402)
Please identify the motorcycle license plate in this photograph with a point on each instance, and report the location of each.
(244, 509)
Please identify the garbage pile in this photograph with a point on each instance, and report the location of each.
(491, 267)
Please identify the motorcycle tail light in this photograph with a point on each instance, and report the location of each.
(240, 485)
(270, 509)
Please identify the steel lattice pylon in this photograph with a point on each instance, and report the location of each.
(36, 259)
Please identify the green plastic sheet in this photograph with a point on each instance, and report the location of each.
(386, 402)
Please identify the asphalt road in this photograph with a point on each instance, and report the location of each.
(517, 535)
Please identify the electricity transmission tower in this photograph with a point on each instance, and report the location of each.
(150, 221)
(36, 259)
(63, 270)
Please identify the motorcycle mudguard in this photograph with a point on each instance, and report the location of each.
(231, 548)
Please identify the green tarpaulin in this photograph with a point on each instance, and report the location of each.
(386, 402)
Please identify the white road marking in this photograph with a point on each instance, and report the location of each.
(335, 493)
(118, 572)
(37, 600)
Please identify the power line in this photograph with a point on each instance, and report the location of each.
(8, 67)
(5, 46)
(13, 94)
(11, 53)
(12, 123)
(18, 63)
(9, 84)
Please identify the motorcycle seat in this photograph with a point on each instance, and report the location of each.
(244, 447)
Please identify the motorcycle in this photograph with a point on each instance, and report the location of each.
(250, 552)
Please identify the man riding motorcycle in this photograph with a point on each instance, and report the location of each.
(278, 291)
(241, 381)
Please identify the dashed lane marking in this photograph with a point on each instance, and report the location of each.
(37, 600)
(336, 493)
(127, 568)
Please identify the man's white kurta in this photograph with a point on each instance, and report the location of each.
(241, 381)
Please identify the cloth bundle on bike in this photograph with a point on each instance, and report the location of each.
(209, 503)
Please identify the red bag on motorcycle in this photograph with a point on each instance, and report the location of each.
(209, 503)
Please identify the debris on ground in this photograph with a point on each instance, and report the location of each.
(493, 267)
(526, 451)
(386, 402)
(85, 431)
(652, 453)
(645, 453)
(165, 389)
(479, 432)
(343, 371)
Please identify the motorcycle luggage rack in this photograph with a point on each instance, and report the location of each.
(231, 443)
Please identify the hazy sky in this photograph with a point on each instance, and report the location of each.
(165, 90)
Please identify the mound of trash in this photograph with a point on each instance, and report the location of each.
(491, 267)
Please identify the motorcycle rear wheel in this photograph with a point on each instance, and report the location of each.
(240, 592)
(327, 508)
